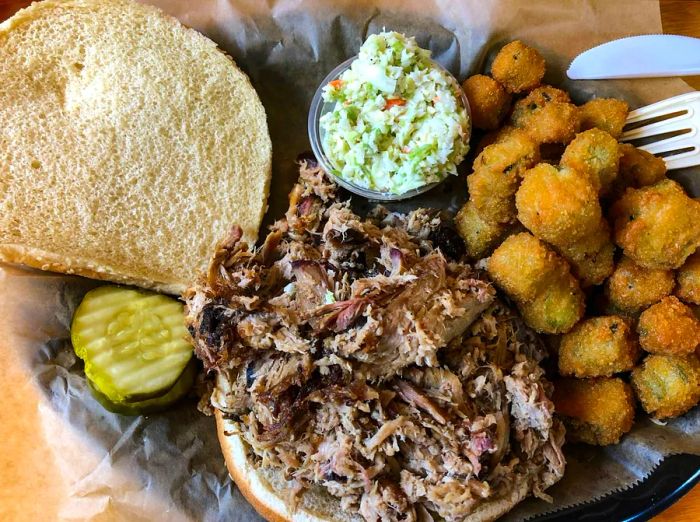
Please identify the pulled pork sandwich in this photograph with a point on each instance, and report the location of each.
(364, 373)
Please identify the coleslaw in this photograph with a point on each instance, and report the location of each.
(398, 122)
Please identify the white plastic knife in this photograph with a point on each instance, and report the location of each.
(647, 56)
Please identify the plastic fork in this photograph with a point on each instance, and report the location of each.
(675, 123)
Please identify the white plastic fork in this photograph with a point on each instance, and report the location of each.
(689, 121)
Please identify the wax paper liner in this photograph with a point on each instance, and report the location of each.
(89, 464)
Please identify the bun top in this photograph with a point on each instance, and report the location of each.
(129, 143)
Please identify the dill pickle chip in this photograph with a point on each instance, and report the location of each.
(163, 402)
(134, 343)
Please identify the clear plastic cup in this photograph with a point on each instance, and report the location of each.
(320, 107)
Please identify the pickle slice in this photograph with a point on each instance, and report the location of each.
(134, 343)
(174, 394)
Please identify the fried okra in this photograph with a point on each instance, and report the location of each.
(558, 204)
(480, 236)
(518, 67)
(591, 257)
(496, 177)
(539, 281)
(598, 347)
(688, 277)
(546, 94)
(596, 411)
(488, 101)
(522, 266)
(631, 287)
(639, 168)
(591, 267)
(511, 151)
(657, 226)
(499, 136)
(557, 309)
(547, 115)
(669, 328)
(667, 385)
(607, 114)
(596, 154)
(493, 194)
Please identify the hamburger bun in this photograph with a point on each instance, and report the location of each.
(129, 144)
(265, 489)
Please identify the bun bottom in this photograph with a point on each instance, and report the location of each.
(256, 487)
(264, 489)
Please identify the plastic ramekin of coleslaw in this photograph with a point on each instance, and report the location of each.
(390, 123)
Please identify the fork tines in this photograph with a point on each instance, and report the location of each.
(668, 128)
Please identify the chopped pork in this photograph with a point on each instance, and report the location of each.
(361, 355)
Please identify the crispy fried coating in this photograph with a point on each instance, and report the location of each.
(688, 277)
(496, 177)
(546, 94)
(518, 67)
(557, 309)
(547, 115)
(631, 287)
(639, 168)
(512, 151)
(598, 347)
(558, 205)
(607, 114)
(596, 154)
(667, 385)
(499, 136)
(669, 328)
(488, 100)
(493, 194)
(522, 265)
(657, 226)
(480, 236)
(591, 257)
(596, 411)
(539, 281)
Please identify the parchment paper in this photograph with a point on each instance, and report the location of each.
(63, 457)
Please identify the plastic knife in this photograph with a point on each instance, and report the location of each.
(647, 56)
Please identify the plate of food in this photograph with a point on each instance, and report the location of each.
(364, 264)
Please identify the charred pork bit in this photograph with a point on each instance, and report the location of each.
(450, 243)
(360, 355)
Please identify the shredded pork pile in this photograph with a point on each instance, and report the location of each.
(362, 356)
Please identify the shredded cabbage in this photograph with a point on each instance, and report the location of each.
(398, 122)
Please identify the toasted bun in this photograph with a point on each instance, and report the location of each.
(129, 144)
(265, 488)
